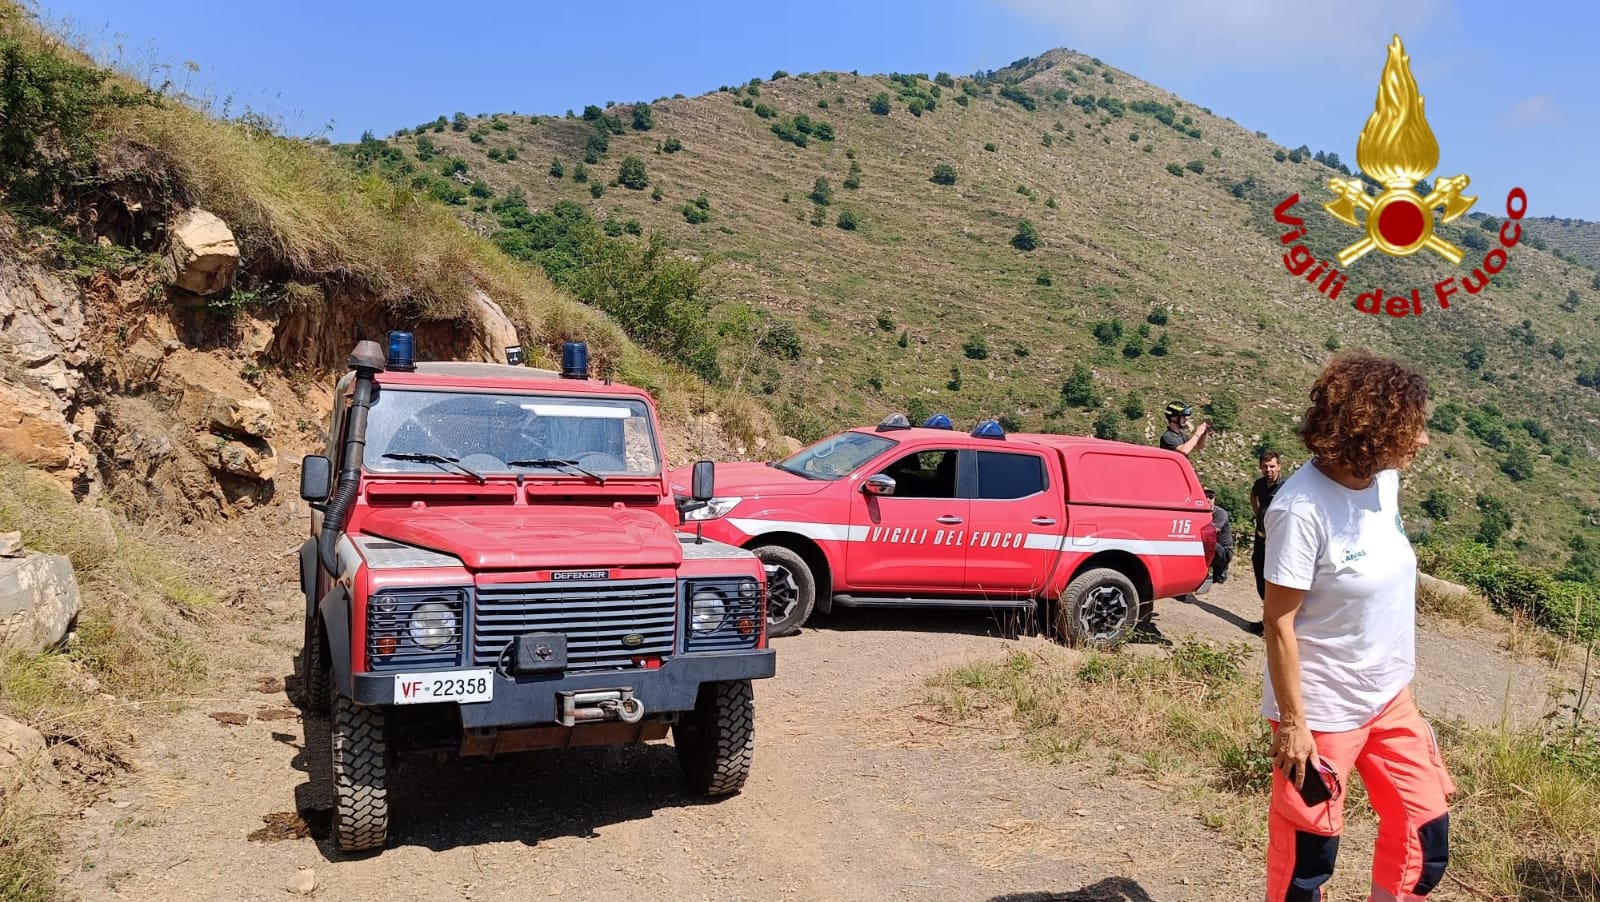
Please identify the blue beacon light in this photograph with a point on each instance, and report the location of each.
(938, 421)
(401, 356)
(989, 429)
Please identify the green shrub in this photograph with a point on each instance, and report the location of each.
(1495, 520)
(458, 122)
(852, 179)
(848, 220)
(632, 174)
(821, 192)
(580, 173)
(1046, 140)
(990, 147)
(425, 148)
(672, 145)
(915, 107)
(1223, 411)
(1157, 316)
(632, 227)
(695, 215)
(955, 379)
(1133, 406)
(1133, 349)
(1020, 96)
(1175, 169)
(880, 104)
(1279, 155)
(1437, 504)
(961, 99)
(1197, 167)
(556, 169)
(1518, 463)
(1043, 278)
(1162, 346)
(500, 125)
(765, 111)
(480, 188)
(905, 338)
(976, 347)
(475, 138)
(642, 119)
(1105, 426)
(1107, 332)
(655, 193)
(596, 189)
(943, 174)
(885, 322)
(1027, 236)
(1079, 390)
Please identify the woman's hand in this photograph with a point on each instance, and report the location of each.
(1292, 748)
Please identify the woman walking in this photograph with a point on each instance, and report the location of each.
(1340, 626)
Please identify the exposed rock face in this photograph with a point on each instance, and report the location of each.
(41, 351)
(204, 252)
(38, 601)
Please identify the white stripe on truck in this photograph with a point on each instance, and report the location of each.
(1034, 541)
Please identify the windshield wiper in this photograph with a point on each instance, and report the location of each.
(801, 473)
(558, 463)
(438, 460)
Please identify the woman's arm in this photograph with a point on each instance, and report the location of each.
(1293, 744)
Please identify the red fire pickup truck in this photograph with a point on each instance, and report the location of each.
(898, 516)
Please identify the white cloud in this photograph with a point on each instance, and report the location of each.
(1233, 34)
(1531, 112)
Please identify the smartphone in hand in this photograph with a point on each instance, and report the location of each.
(1314, 789)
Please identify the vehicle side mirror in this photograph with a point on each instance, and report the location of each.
(704, 485)
(316, 478)
(878, 484)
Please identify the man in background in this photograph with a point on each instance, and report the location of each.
(1261, 495)
(1221, 520)
(1177, 437)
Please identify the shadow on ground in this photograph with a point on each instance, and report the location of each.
(1002, 623)
(1111, 889)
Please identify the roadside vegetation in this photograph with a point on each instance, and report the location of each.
(1525, 823)
(136, 645)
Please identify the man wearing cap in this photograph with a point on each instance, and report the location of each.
(1222, 522)
(1177, 438)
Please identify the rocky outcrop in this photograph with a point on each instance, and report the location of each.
(38, 601)
(41, 355)
(204, 253)
(496, 332)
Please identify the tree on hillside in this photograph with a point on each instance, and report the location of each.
(1078, 390)
(458, 122)
(642, 120)
(944, 174)
(821, 192)
(880, 104)
(1027, 237)
(632, 174)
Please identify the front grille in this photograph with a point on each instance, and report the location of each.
(593, 615)
(389, 639)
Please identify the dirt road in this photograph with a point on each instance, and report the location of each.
(854, 795)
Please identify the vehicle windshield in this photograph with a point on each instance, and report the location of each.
(412, 431)
(836, 457)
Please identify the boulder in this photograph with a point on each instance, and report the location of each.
(20, 744)
(495, 331)
(34, 431)
(791, 445)
(212, 397)
(11, 544)
(240, 416)
(38, 601)
(239, 459)
(204, 253)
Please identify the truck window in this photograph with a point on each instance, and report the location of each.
(836, 457)
(1003, 475)
(924, 474)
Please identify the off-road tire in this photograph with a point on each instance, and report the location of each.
(785, 566)
(717, 740)
(316, 671)
(360, 776)
(1098, 609)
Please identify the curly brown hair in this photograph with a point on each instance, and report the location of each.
(1366, 413)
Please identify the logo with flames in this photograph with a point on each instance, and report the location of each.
(1397, 149)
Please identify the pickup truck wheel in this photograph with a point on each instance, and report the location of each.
(1099, 609)
(316, 674)
(360, 776)
(717, 740)
(791, 589)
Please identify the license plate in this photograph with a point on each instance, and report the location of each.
(462, 686)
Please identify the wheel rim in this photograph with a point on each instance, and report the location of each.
(1103, 612)
(783, 593)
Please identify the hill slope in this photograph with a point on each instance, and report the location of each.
(1140, 202)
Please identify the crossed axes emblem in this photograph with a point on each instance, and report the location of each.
(1446, 192)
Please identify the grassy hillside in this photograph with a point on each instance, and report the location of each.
(1155, 266)
(1575, 239)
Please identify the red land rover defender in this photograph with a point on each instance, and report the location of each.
(899, 516)
(496, 569)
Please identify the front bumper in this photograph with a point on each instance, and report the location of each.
(534, 700)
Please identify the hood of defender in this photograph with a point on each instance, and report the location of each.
(534, 537)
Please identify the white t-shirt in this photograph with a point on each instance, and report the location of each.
(1357, 626)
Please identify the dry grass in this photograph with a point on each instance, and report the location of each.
(1525, 824)
(28, 845)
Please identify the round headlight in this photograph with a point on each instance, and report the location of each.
(748, 589)
(709, 610)
(432, 625)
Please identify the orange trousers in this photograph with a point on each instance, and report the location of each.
(1398, 758)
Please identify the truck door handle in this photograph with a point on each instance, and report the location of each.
(1044, 521)
(949, 519)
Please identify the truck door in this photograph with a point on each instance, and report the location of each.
(1017, 520)
(913, 540)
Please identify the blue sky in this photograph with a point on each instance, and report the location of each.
(1509, 87)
